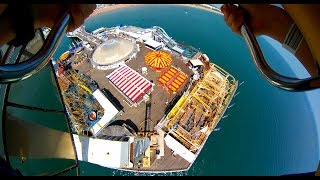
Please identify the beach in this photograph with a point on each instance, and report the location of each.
(110, 8)
(118, 6)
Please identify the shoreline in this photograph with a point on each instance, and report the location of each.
(118, 6)
(110, 8)
(196, 6)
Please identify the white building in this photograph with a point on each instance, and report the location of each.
(111, 153)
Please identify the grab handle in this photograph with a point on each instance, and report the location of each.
(15, 72)
(276, 79)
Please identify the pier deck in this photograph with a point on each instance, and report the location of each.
(158, 104)
(190, 121)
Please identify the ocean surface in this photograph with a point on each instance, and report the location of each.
(267, 131)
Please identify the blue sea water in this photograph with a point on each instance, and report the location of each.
(268, 131)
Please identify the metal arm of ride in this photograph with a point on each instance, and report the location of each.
(15, 72)
(12, 73)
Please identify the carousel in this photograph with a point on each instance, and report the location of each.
(158, 60)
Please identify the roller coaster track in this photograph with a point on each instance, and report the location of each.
(214, 85)
(81, 85)
(211, 99)
(203, 112)
(84, 87)
(208, 88)
(167, 39)
(196, 96)
(183, 137)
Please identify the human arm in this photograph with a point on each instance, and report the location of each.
(46, 15)
(273, 21)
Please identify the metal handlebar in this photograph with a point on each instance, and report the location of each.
(15, 72)
(276, 79)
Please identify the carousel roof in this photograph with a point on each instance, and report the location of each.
(158, 59)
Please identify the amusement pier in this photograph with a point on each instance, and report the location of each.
(138, 100)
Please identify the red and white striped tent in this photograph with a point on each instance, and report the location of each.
(130, 83)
